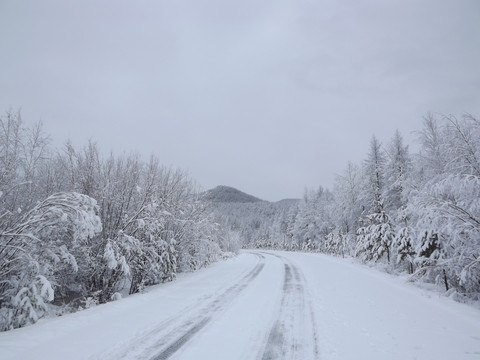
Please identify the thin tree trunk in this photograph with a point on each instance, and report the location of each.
(445, 279)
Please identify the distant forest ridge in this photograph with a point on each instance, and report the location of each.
(227, 194)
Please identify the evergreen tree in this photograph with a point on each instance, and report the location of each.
(375, 239)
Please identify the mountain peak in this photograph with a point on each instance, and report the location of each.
(227, 194)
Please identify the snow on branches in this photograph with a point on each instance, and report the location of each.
(35, 252)
(420, 210)
(375, 240)
(78, 229)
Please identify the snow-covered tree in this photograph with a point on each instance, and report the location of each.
(404, 241)
(397, 172)
(37, 255)
(347, 207)
(335, 243)
(446, 205)
(375, 239)
(372, 192)
(313, 221)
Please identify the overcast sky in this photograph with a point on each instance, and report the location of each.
(268, 96)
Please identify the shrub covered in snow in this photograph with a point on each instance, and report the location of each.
(77, 229)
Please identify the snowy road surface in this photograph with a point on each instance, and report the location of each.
(263, 305)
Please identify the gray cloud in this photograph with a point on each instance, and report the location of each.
(268, 96)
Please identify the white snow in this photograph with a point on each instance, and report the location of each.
(263, 305)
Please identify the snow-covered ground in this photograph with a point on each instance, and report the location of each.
(263, 305)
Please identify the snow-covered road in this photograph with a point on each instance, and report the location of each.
(263, 305)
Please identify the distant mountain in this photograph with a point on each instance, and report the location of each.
(227, 194)
(249, 217)
(288, 202)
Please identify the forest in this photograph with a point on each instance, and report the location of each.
(78, 228)
(406, 213)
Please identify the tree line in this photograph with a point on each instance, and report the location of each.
(417, 213)
(79, 228)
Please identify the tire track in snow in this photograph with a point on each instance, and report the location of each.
(179, 336)
(194, 326)
(182, 340)
(172, 333)
(293, 334)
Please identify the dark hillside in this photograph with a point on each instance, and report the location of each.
(226, 194)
